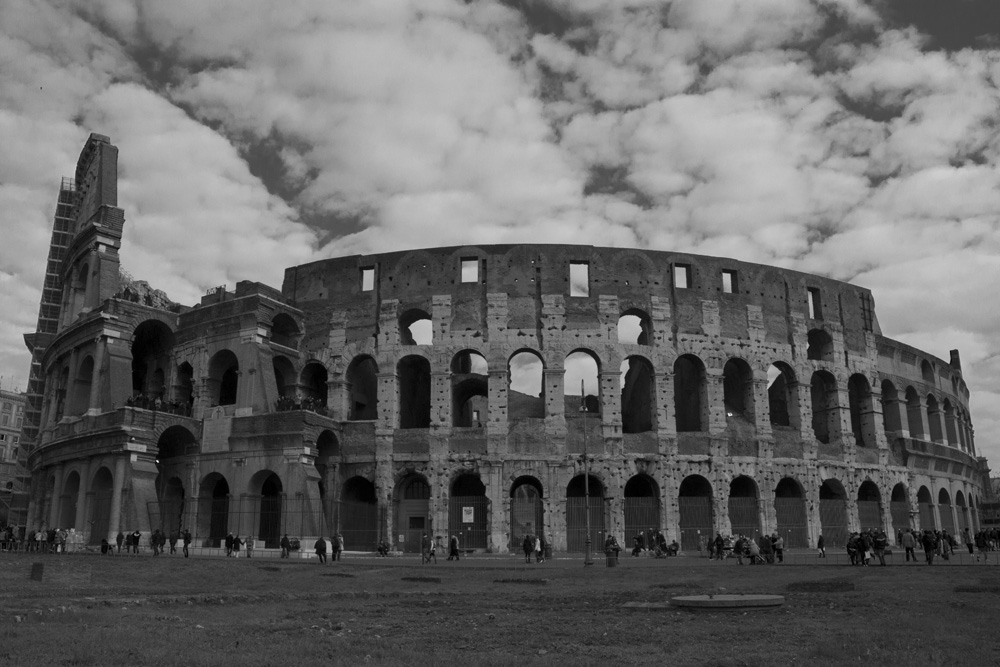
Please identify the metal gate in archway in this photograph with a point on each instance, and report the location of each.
(360, 524)
(696, 521)
(900, 512)
(927, 517)
(947, 518)
(100, 517)
(793, 524)
(526, 518)
(833, 519)
(642, 513)
(576, 523)
(870, 514)
(468, 518)
(744, 515)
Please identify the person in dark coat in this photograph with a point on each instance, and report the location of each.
(929, 542)
(187, 541)
(453, 548)
(529, 547)
(229, 544)
(286, 546)
(119, 540)
(321, 550)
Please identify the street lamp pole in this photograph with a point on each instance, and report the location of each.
(587, 560)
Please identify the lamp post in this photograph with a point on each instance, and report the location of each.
(587, 560)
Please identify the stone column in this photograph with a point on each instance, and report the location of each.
(94, 402)
(80, 521)
(114, 521)
(54, 507)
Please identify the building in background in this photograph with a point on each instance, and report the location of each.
(485, 392)
(11, 460)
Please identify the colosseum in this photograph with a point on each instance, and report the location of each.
(481, 391)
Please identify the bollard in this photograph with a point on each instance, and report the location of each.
(612, 557)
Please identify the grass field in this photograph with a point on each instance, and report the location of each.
(489, 610)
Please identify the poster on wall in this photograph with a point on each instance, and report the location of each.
(467, 515)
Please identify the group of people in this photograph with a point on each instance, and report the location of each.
(336, 548)
(534, 545)
(234, 544)
(653, 541)
(53, 540)
(764, 549)
(864, 546)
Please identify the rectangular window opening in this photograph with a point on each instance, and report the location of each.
(579, 279)
(367, 279)
(729, 285)
(682, 276)
(815, 304)
(470, 270)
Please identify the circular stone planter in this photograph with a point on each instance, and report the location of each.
(727, 601)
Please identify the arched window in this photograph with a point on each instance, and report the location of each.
(826, 415)
(737, 385)
(782, 395)
(414, 373)
(635, 327)
(284, 330)
(890, 408)
(638, 386)
(469, 389)
(820, 346)
(223, 378)
(525, 393)
(689, 394)
(362, 379)
(582, 375)
(859, 397)
(416, 328)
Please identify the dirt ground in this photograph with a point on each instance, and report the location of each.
(489, 610)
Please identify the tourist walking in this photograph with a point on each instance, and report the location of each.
(250, 543)
(909, 546)
(779, 548)
(237, 543)
(187, 542)
(321, 550)
(286, 546)
(338, 546)
(821, 547)
(229, 545)
(453, 548)
(119, 539)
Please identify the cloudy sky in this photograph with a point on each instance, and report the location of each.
(858, 139)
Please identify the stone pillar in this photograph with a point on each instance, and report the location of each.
(80, 521)
(94, 402)
(713, 414)
(54, 507)
(114, 521)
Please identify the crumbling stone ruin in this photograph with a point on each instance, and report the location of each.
(482, 391)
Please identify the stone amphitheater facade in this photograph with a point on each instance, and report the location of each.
(485, 392)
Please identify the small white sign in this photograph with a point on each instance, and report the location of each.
(468, 514)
